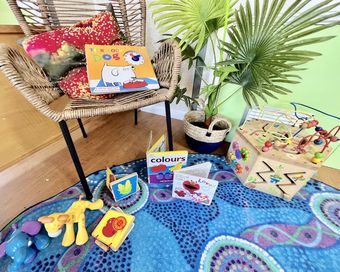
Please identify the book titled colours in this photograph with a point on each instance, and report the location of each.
(119, 69)
(161, 164)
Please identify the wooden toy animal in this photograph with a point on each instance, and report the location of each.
(75, 214)
(23, 245)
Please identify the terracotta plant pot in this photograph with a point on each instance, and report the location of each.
(205, 140)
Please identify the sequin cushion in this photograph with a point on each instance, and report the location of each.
(76, 85)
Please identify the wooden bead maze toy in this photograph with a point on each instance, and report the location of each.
(277, 155)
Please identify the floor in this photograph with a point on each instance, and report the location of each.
(23, 129)
(111, 140)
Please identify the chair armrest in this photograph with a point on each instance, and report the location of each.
(30, 80)
(167, 64)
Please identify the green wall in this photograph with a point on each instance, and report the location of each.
(6, 15)
(319, 88)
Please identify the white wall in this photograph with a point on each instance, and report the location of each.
(152, 38)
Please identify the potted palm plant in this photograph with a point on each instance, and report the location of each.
(260, 51)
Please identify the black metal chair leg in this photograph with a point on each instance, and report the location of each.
(82, 128)
(168, 125)
(136, 117)
(75, 158)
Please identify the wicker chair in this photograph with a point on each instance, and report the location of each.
(35, 16)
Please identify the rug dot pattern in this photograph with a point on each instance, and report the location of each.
(181, 236)
(187, 221)
(227, 253)
(326, 207)
(46, 264)
(98, 260)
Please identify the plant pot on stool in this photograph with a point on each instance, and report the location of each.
(201, 139)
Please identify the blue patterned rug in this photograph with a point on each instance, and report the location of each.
(242, 230)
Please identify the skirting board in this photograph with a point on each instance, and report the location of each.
(177, 110)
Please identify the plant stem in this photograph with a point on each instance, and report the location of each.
(215, 58)
(219, 45)
(226, 18)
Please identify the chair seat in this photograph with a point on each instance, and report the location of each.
(79, 108)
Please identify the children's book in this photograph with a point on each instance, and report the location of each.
(192, 183)
(161, 164)
(113, 229)
(122, 187)
(119, 69)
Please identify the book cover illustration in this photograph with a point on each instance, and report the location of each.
(113, 229)
(193, 184)
(122, 187)
(119, 69)
(161, 164)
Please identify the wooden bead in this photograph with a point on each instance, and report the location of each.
(334, 139)
(265, 149)
(315, 160)
(319, 155)
(314, 123)
(318, 141)
(268, 144)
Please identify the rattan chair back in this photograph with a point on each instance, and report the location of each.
(36, 16)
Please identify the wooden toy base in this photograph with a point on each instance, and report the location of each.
(279, 172)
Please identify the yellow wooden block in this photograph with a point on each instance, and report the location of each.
(113, 229)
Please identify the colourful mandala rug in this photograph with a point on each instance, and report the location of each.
(242, 230)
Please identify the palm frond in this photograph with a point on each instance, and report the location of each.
(193, 21)
(267, 43)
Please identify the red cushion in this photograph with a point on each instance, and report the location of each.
(76, 85)
(100, 29)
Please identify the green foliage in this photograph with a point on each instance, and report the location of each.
(192, 20)
(265, 44)
(180, 95)
(264, 52)
(211, 91)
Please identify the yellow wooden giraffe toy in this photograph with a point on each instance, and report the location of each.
(75, 214)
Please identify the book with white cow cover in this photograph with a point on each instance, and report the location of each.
(119, 69)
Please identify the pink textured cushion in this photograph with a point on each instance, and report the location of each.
(76, 85)
(100, 29)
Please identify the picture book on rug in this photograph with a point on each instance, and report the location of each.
(193, 184)
(161, 164)
(122, 187)
(113, 229)
(119, 69)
